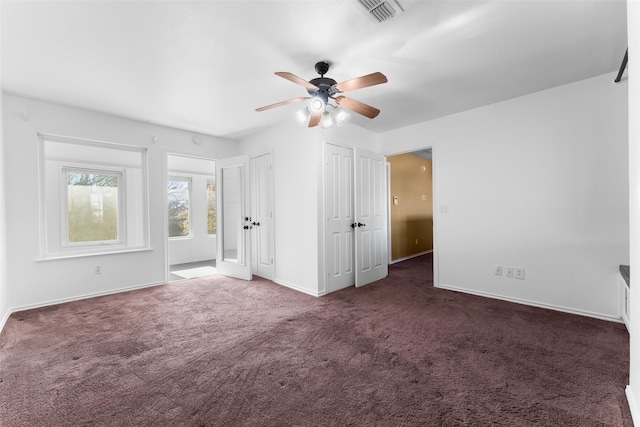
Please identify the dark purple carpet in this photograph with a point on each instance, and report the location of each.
(220, 352)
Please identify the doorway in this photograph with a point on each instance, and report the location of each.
(411, 211)
(192, 217)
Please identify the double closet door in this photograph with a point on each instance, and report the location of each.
(356, 217)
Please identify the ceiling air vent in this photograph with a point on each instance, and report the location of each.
(381, 10)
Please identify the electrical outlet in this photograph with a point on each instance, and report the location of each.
(97, 270)
(498, 270)
(519, 273)
(509, 272)
(416, 241)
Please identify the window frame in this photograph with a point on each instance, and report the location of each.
(134, 227)
(120, 174)
(189, 181)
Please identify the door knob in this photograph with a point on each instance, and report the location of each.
(353, 225)
(257, 224)
(361, 224)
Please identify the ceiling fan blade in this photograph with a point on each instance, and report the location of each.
(360, 82)
(357, 106)
(278, 104)
(297, 80)
(314, 120)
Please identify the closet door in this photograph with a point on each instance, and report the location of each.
(356, 217)
(339, 238)
(262, 242)
(371, 218)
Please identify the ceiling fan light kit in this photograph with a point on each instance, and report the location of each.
(322, 92)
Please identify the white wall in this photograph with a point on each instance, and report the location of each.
(34, 283)
(296, 152)
(539, 182)
(633, 76)
(4, 304)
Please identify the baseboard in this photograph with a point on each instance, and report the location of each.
(633, 407)
(409, 257)
(298, 288)
(71, 299)
(534, 303)
(4, 319)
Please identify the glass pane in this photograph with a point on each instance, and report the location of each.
(231, 211)
(178, 208)
(92, 207)
(211, 207)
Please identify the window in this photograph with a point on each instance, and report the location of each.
(211, 207)
(93, 197)
(179, 190)
(93, 206)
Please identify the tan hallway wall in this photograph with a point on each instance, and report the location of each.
(412, 216)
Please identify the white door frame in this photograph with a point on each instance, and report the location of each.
(165, 171)
(434, 183)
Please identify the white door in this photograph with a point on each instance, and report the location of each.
(371, 217)
(233, 222)
(340, 220)
(262, 242)
(356, 230)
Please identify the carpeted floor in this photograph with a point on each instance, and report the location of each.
(219, 352)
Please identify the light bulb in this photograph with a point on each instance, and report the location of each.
(316, 105)
(302, 115)
(341, 116)
(327, 121)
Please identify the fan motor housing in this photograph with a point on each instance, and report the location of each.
(325, 85)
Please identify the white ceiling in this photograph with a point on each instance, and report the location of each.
(205, 66)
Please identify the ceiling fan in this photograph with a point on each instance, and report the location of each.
(322, 89)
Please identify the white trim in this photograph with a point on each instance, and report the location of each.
(298, 288)
(4, 319)
(388, 193)
(93, 142)
(165, 174)
(434, 201)
(633, 407)
(88, 254)
(533, 303)
(71, 299)
(395, 261)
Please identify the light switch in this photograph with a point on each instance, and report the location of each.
(395, 200)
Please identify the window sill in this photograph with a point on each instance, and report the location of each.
(84, 255)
